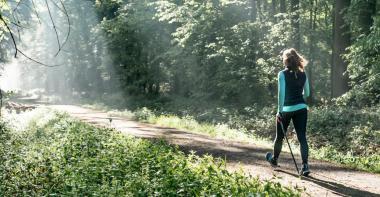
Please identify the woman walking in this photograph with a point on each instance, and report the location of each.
(293, 89)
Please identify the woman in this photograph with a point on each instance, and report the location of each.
(293, 89)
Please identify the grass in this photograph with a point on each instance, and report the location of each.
(187, 123)
(57, 155)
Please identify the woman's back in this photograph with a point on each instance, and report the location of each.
(294, 86)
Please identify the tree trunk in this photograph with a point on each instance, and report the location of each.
(341, 40)
(266, 6)
(367, 10)
(259, 11)
(253, 10)
(295, 17)
(274, 7)
(274, 10)
(312, 27)
(283, 6)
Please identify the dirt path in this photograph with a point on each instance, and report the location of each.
(326, 179)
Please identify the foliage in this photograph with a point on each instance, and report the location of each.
(344, 135)
(347, 130)
(137, 45)
(66, 157)
(211, 50)
(364, 69)
(219, 53)
(370, 163)
(143, 114)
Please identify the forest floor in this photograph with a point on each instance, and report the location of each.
(326, 179)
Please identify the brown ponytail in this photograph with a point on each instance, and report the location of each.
(293, 60)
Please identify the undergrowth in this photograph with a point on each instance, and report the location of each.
(62, 156)
(346, 135)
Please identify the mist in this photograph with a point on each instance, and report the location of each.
(68, 58)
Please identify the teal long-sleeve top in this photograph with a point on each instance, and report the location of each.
(281, 95)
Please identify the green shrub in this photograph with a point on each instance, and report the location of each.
(143, 114)
(67, 158)
(345, 129)
(346, 135)
(363, 59)
(369, 163)
(5, 141)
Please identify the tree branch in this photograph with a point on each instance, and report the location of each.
(18, 25)
(35, 11)
(64, 11)
(54, 27)
(10, 32)
(36, 61)
(18, 4)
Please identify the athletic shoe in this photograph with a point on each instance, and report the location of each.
(271, 160)
(305, 170)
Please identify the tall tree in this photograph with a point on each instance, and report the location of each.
(274, 7)
(341, 40)
(283, 6)
(259, 10)
(366, 11)
(312, 24)
(295, 17)
(253, 10)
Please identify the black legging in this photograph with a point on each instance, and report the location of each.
(299, 119)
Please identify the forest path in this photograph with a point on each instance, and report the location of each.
(326, 179)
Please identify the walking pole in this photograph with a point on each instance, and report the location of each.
(291, 152)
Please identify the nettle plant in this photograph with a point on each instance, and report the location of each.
(67, 157)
